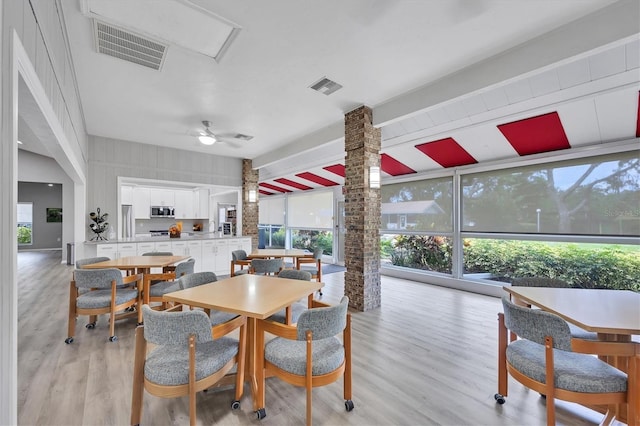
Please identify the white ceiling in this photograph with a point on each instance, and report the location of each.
(423, 66)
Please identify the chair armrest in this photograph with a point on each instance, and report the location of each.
(225, 328)
(165, 276)
(319, 304)
(133, 278)
(278, 329)
(598, 347)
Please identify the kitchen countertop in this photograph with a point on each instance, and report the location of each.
(183, 237)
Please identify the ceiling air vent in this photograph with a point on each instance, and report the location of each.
(326, 86)
(242, 137)
(125, 45)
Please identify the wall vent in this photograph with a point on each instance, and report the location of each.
(326, 86)
(125, 45)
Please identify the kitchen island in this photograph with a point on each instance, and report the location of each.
(211, 252)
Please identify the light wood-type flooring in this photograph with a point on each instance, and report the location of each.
(426, 357)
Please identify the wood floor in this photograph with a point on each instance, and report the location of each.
(426, 357)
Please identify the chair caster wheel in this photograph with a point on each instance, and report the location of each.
(261, 413)
(129, 309)
(140, 323)
(91, 325)
(68, 340)
(348, 404)
(235, 405)
(543, 396)
(499, 399)
(113, 338)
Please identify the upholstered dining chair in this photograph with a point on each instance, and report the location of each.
(239, 258)
(542, 360)
(157, 285)
(90, 260)
(101, 291)
(189, 356)
(291, 314)
(198, 279)
(576, 332)
(169, 268)
(266, 266)
(316, 269)
(309, 354)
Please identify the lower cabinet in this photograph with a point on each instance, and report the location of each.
(107, 250)
(194, 249)
(209, 256)
(127, 249)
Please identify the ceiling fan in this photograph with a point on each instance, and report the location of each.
(209, 137)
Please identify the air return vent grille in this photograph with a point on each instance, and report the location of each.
(326, 86)
(128, 46)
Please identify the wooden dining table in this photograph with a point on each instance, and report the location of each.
(613, 314)
(141, 264)
(255, 296)
(295, 254)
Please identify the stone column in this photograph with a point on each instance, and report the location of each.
(249, 210)
(362, 211)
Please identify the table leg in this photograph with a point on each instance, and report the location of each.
(251, 354)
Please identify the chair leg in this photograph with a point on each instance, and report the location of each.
(502, 357)
(309, 377)
(347, 359)
(192, 380)
(550, 381)
(138, 377)
(71, 328)
(112, 314)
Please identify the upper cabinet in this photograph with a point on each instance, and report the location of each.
(184, 204)
(141, 203)
(162, 197)
(126, 195)
(201, 203)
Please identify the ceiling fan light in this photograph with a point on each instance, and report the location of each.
(207, 140)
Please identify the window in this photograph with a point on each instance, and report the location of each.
(271, 222)
(591, 196)
(311, 211)
(25, 223)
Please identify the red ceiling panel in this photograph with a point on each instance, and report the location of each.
(533, 135)
(447, 152)
(337, 169)
(263, 192)
(275, 188)
(292, 184)
(316, 179)
(638, 119)
(393, 167)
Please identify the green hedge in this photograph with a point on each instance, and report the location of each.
(611, 266)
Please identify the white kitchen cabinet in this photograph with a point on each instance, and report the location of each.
(126, 195)
(161, 197)
(245, 244)
(163, 246)
(141, 203)
(209, 250)
(107, 250)
(179, 248)
(127, 249)
(201, 203)
(145, 248)
(222, 257)
(194, 249)
(184, 204)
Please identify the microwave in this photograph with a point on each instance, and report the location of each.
(162, 211)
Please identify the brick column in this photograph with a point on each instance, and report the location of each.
(249, 210)
(362, 211)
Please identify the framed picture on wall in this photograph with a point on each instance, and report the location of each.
(54, 214)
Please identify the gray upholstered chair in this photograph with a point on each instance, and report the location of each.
(157, 285)
(576, 332)
(239, 258)
(170, 268)
(291, 314)
(186, 357)
(316, 269)
(200, 278)
(266, 266)
(101, 291)
(90, 260)
(309, 354)
(542, 360)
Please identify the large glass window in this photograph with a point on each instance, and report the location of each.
(419, 206)
(417, 224)
(271, 222)
(592, 196)
(25, 223)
